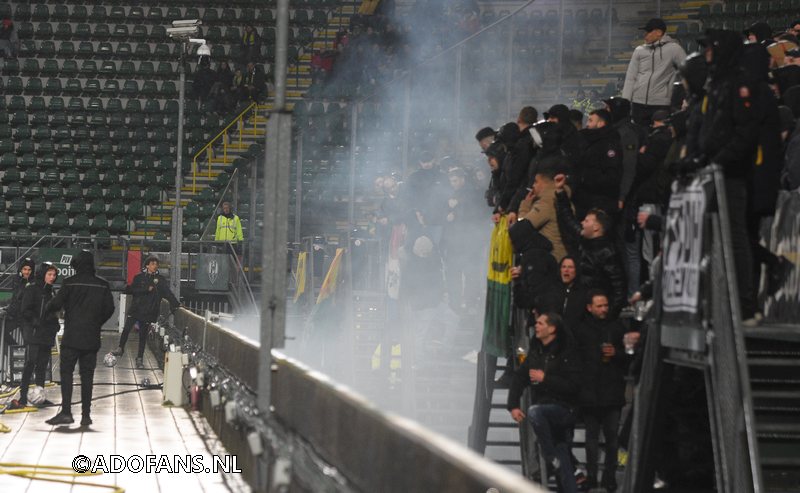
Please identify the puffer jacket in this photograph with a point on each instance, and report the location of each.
(538, 267)
(39, 326)
(603, 383)
(651, 72)
(87, 303)
(599, 171)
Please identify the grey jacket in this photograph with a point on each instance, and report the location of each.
(651, 72)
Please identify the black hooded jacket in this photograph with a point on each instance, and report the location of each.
(599, 171)
(538, 267)
(87, 303)
(39, 325)
(13, 312)
(631, 137)
(732, 112)
(148, 290)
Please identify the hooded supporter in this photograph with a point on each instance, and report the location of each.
(547, 138)
(599, 171)
(759, 32)
(537, 267)
(572, 143)
(25, 274)
(631, 137)
(495, 155)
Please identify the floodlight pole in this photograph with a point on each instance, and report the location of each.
(177, 211)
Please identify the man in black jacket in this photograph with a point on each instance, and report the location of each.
(148, 289)
(13, 318)
(603, 395)
(522, 155)
(88, 304)
(599, 170)
(39, 331)
(571, 294)
(599, 263)
(552, 373)
(631, 138)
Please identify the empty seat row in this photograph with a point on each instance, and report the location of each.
(89, 68)
(150, 194)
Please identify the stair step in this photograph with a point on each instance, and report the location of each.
(502, 443)
(496, 424)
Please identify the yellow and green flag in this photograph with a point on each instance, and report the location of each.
(496, 336)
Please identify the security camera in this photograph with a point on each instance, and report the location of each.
(202, 48)
(182, 33)
(187, 23)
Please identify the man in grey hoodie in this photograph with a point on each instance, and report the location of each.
(653, 66)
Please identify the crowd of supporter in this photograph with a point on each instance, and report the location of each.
(584, 198)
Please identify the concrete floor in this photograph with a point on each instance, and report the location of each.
(128, 421)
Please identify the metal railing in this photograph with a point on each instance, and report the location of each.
(239, 122)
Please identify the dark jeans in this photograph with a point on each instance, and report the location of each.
(607, 418)
(736, 191)
(87, 358)
(144, 328)
(36, 359)
(553, 425)
(642, 114)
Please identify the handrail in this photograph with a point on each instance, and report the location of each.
(208, 147)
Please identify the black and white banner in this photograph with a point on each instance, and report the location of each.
(683, 251)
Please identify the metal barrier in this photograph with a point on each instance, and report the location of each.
(322, 436)
(711, 341)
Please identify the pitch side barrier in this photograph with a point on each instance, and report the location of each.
(321, 436)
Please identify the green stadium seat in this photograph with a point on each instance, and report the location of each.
(135, 209)
(25, 30)
(5, 132)
(86, 161)
(53, 87)
(146, 70)
(79, 14)
(41, 133)
(71, 176)
(118, 225)
(34, 86)
(60, 221)
(60, 13)
(228, 16)
(192, 13)
(39, 118)
(26, 146)
(120, 32)
(94, 104)
(16, 103)
(57, 204)
(136, 120)
(104, 147)
(59, 119)
(63, 31)
(135, 15)
(111, 87)
(13, 84)
(34, 190)
(247, 16)
(80, 221)
(192, 226)
(113, 192)
(149, 88)
(77, 119)
(152, 194)
(45, 147)
(11, 67)
(11, 175)
(47, 49)
(232, 35)
(30, 67)
(162, 52)
(110, 177)
(67, 161)
(108, 68)
(27, 48)
(29, 172)
(82, 32)
(210, 16)
(139, 33)
(101, 32)
(23, 12)
(158, 34)
(14, 189)
(75, 205)
(124, 51)
(18, 221)
(54, 191)
(99, 222)
(123, 149)
(131, 193)
(97, 206)
(155, 15)
(173, 14)
(104, 49)
(126, 69)
(44, 31)
(116, 207)
(116, 14)
(61, 133)
(19, 119)
(73, 87)
(130, 88)
(91, 177)
(36, 103)
(152, 106)
(66, 49)
(98, 14)
(119, 133)
(165, 70)
(17, 204)
(213, 34)
(114, 105)
(69, 68)
(89, 68)
(265, 17)
(50, 68)
(41, 13)
(91, 88)
(168, 89)
(50, 175)
(38, 203)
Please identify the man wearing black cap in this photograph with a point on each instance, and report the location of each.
(648, 83)
(598, 172)
(485, 137)
(572, 143)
